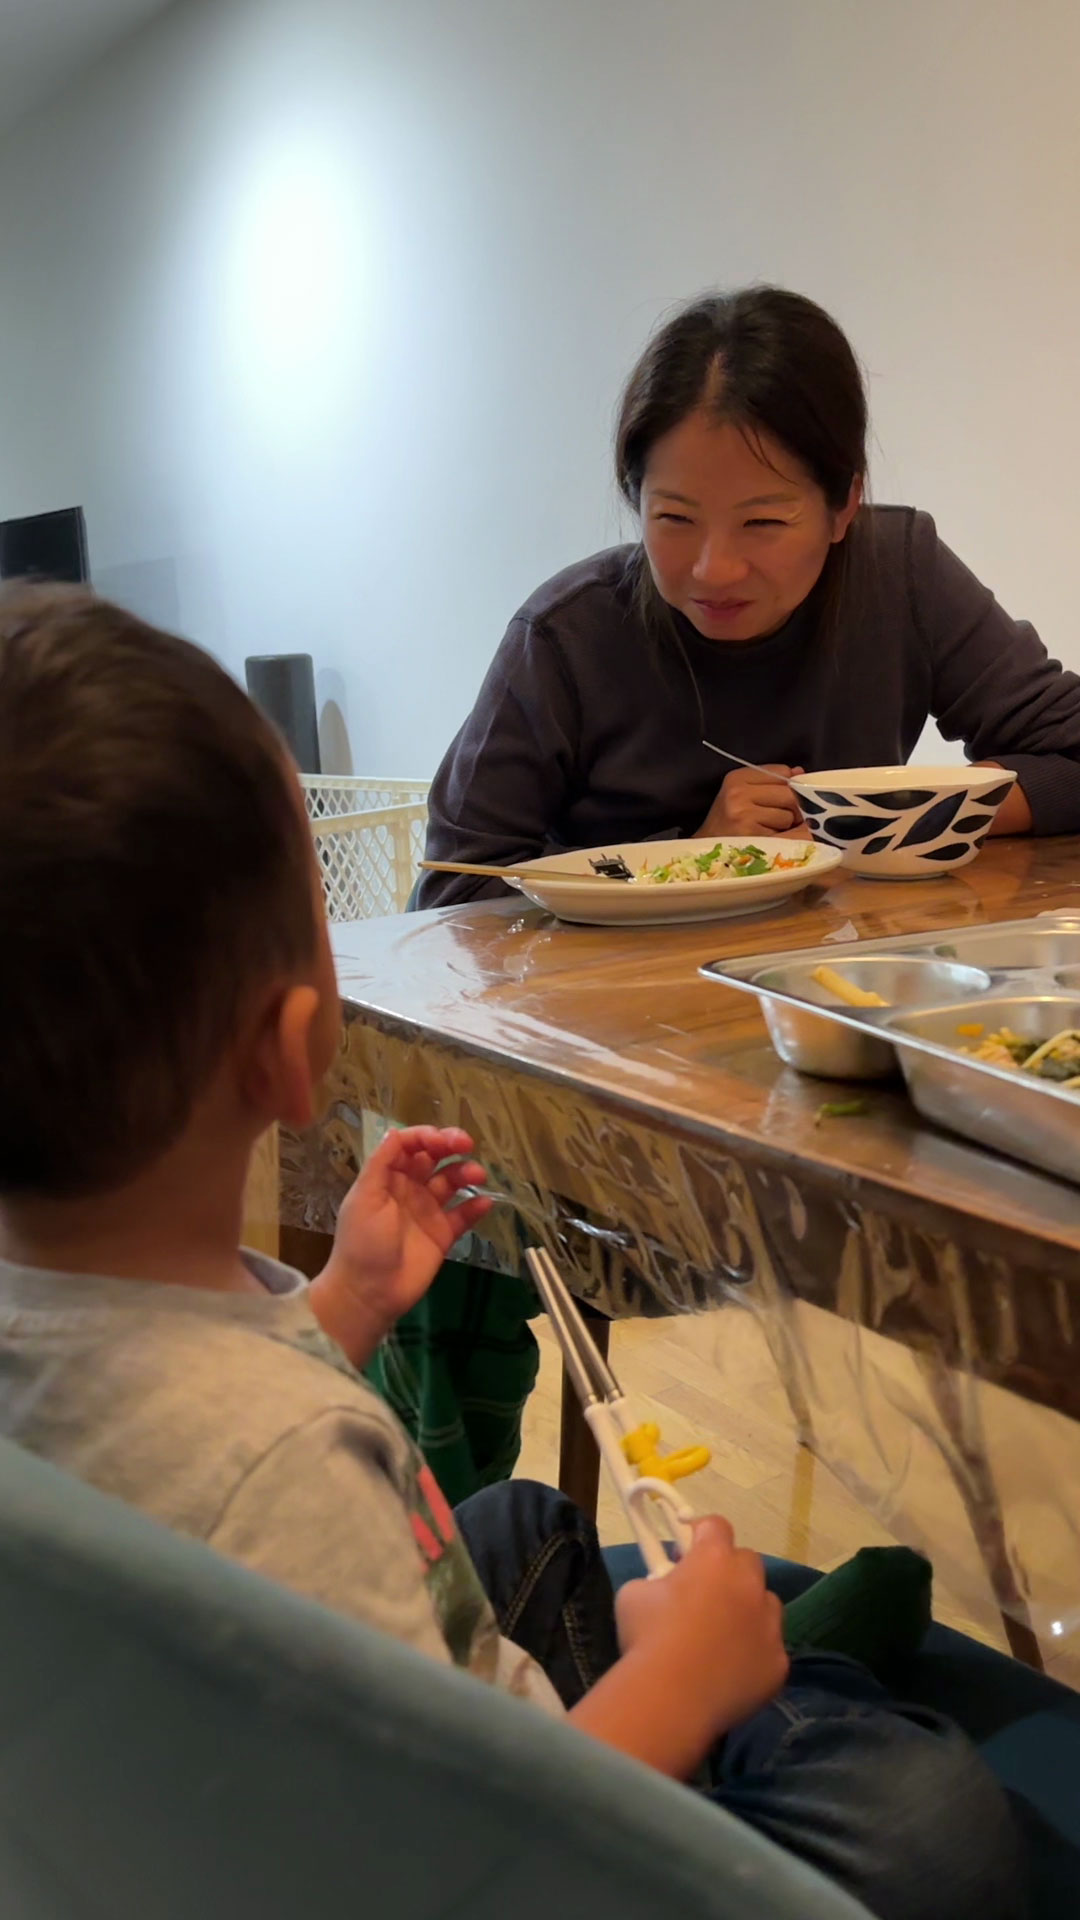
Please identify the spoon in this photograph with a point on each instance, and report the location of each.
(462, 1194)
(753, 765)
(610, 1236)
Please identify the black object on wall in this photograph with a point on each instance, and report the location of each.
(283, 685)
(45, 546)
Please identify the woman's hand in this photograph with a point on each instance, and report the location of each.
(702, 1650)
(393, 1234)
(755, 801)
(1014, 814)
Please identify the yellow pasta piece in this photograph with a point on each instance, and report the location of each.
(844, 990)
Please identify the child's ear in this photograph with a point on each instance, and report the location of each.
(277, 1070)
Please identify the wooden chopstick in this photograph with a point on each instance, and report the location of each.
(509, 873)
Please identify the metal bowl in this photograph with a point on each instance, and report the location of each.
(1044, 949)
(1017, 1114)
(826, 1047)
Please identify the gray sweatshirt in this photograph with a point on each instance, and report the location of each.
(232, 1417)
(588, 728)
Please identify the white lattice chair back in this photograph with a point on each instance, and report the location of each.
(369, 834)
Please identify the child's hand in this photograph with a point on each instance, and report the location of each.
(393, 1233)
(709, 1631)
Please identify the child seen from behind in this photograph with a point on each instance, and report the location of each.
(167, 993)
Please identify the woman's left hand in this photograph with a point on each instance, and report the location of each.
(393, 1234)
(1014, 815)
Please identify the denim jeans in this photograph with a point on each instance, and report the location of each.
(890, 1801)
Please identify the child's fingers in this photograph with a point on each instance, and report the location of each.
(416, 1166)
(382, 1162)
(443, 1143)
(462, 1218)
(402, 1154)
(713, 1531)
(446, 1183)
(444, 1191)
(441, 1181)
(472, 1174)
(438, 1158)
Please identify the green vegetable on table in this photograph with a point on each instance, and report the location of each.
(839, 1110)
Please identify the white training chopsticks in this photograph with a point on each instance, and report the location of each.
(629, 1449)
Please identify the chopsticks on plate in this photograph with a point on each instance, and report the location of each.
(510, 873)
(630, 1450)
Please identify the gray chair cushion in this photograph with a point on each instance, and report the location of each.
(181, 1740)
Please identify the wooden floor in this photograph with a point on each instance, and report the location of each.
(709, 1377)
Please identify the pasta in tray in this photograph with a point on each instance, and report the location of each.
(1056, 1059)
(725, 862)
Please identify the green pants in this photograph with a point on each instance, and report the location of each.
(458, 1370)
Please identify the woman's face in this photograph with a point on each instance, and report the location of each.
(734, 541)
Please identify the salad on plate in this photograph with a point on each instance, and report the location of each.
(726, 862)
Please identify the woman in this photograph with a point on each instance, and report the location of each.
(767, 609)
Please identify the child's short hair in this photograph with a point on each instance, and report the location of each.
(155, 868)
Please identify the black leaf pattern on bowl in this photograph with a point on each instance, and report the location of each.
(833, 799)
(854, 826)
(934, 820)
(995, 798)
(901, 801)
(954, 851)
(972, 823)
(810, 806)
(880, 845)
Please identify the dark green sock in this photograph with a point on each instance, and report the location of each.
(875, 1608)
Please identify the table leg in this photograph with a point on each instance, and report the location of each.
(790, 1362)
(976, 1487)
(579, 1457)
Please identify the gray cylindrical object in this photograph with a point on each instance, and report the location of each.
(283, 685)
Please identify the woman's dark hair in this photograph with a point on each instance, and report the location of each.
(770, 362)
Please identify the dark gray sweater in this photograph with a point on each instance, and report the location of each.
(587, 728)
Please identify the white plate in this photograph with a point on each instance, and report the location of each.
(626, 903)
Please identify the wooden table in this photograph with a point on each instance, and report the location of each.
(655, 1141)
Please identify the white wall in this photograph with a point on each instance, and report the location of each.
(321, 306)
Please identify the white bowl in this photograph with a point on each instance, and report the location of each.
(910, 823)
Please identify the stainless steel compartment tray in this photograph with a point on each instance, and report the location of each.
(1014, 1112)
(1033, 1120)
